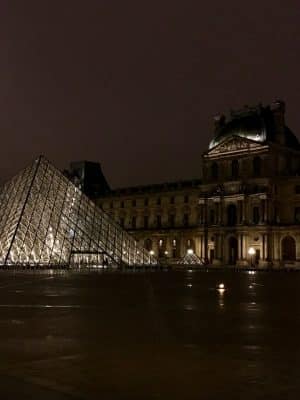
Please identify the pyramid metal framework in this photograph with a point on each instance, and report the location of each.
(46, 220)
(190, 259)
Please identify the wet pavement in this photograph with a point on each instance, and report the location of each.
(161, 335)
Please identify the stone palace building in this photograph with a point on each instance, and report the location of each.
(244, 209)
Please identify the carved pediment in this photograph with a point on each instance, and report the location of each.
(233, 145)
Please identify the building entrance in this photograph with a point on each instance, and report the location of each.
(232, 250)
(288, 249)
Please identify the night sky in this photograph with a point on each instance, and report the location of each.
(135, 84)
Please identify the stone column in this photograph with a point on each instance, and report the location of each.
(241, 255)
(241, 216)
(276, 249)
(246, 210)
(264, 261)
(197, 245)
(222, 252)
(217, 260)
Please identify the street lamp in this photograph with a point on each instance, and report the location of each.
(151, 252)
(190, 252)
(251, 253)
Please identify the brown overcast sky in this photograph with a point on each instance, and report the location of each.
(134, 84)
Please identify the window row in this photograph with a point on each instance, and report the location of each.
(146, 202)
(155, 222)
(235, 169)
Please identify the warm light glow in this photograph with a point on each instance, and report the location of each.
(221, 286)
(151, 252)
(251, 251)
(251, 272)
(190, 251)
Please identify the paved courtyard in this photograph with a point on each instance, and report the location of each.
(164, 335)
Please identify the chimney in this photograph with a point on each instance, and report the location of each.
(219, 121)
(278, 110)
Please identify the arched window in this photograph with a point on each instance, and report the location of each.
(190, 245)
(288, 249)
(148, 244)
(234, 169)
(256, 166)
(231, 215)
(161, 247)
(214, 171)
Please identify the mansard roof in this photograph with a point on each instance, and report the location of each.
(156, 188)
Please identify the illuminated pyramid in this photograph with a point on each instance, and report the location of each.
(190, 258)
(46, 220)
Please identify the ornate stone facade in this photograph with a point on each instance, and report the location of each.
(247, 200)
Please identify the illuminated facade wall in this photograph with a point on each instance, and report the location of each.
(248, 198)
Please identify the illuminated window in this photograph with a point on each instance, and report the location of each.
(148, 244)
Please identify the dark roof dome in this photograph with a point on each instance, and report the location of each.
(260, 124)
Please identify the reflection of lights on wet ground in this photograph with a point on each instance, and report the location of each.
(188, 308)
(251, 272)
(221, 291)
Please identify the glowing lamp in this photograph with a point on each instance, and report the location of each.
(251, 251)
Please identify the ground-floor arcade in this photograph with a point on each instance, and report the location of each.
(258, 247)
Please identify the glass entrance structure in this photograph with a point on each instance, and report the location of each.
(45, 220)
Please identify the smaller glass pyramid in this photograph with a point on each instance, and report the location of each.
(46, 220)
(190, 258)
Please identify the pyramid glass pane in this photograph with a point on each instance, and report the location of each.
(46, 220)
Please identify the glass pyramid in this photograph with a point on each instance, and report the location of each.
(46, 220)
(190, 258)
